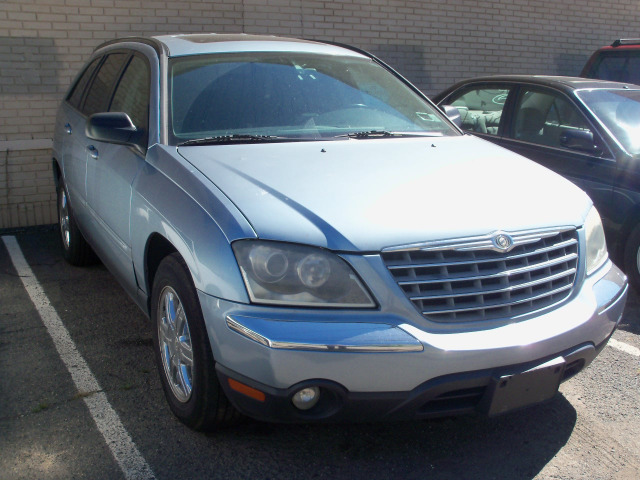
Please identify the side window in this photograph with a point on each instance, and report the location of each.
(547, 118)
(75, 97)
(480, 108)
(100, 90)
(132, 93)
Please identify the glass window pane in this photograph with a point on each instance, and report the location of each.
(481, 108)
(76, 95)
(619, 67)
(547, 118)
(619, 111)
(292, 95)
(98, 96)
(132, 93)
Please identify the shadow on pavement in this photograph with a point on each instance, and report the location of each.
(513, 446)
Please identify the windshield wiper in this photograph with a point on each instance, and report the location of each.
(386, 134)
(236, 138)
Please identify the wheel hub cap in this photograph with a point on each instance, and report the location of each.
(63, 213)
(175, 344)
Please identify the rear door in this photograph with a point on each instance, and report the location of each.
(72, 121)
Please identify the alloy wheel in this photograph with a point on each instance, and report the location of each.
(63, 214)
(176, 349)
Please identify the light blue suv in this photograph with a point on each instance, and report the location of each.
(314, 240)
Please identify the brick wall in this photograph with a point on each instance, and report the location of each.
(434, 43)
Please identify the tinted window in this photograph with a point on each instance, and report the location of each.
(546, 118)
(132, 94)
(480, 108)
(75, 97)
(98, 95)
(619, 66)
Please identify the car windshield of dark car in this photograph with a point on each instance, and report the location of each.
(619, 111)
(293, 96)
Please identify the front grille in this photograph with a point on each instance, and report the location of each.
(467, 280)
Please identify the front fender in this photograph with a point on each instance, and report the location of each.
(171, 198)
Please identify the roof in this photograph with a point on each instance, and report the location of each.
(204, 43)
(572, 83)
(623, 44)
(194, 44)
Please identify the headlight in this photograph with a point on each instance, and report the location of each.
(596, 244)
(284, 274)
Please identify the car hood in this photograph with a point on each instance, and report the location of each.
(365, 195)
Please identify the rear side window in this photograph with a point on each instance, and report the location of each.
(75, 97)
(480, 108)
(100, 90)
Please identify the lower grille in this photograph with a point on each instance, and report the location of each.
(453, 403)
(469, 280)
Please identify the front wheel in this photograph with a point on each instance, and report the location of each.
(632, 257)
(182, 350)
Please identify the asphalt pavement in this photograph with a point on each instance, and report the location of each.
(56, 424)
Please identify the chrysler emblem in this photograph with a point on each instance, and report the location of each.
(503, 242)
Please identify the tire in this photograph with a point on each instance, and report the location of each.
(631, 259)
(183, 354)
(75, 248)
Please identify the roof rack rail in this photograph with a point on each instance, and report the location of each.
(626, 41)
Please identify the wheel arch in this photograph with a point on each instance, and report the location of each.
(156, 249)
(632, 219)
(173, 209)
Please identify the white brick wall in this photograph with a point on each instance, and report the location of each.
(434, 43)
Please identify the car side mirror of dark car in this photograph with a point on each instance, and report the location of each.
(453, 113)
(581, 140)
(113, 127)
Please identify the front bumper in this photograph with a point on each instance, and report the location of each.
(386, 364)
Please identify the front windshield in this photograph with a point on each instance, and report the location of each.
(619, 111)
(292, 95)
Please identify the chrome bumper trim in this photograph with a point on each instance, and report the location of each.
(325, 336)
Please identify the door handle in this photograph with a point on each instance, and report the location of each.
(93, 151)
(68, 129)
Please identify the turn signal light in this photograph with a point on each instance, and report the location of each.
(246, 390)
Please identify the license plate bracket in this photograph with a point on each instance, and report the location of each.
(514, 390)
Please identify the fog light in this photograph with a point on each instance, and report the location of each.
(306, 398)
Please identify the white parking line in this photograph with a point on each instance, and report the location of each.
(624, 347)
(125, 452)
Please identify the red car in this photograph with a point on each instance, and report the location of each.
(619, 62)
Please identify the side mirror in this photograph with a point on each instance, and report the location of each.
(453, 113)
(581, 140)
(113, 127)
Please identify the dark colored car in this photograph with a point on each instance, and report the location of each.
(586, 130)
(619, 62)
